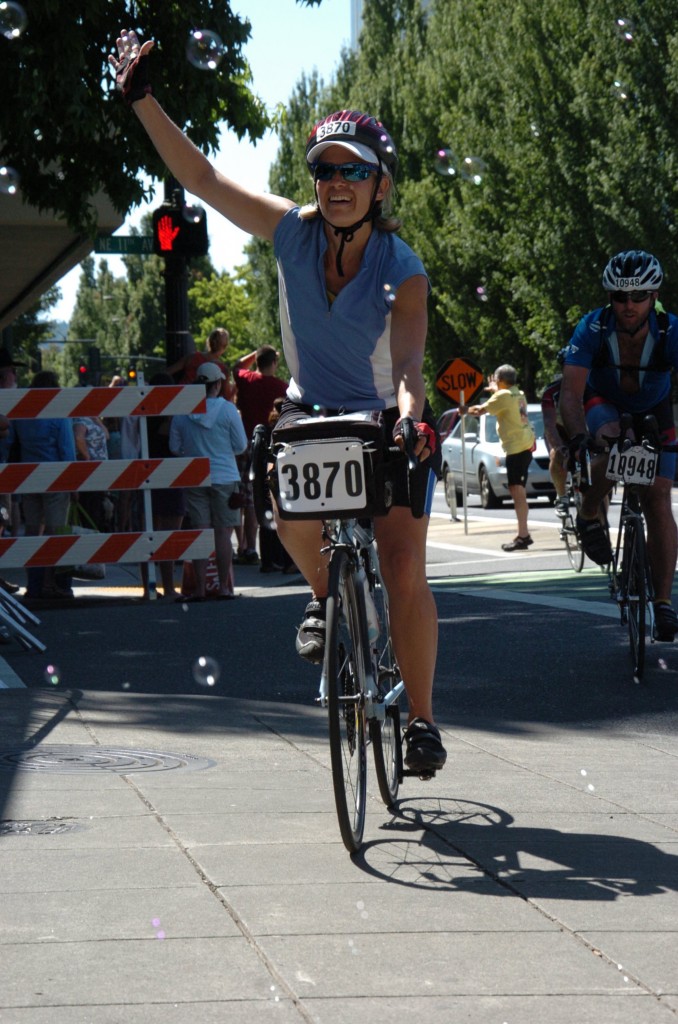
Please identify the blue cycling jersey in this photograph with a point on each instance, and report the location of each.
(339, 350)
(654, 383)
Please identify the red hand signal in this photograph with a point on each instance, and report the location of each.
(167, 232)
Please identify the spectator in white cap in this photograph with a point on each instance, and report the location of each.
(219, 435)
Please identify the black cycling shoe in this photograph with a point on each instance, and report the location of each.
(594, 540)
(665, 623)
(311, 633)
(425, 751)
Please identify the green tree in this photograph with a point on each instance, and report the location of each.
(30, 331)
(571, 117)
(222, 300)
(75, 137)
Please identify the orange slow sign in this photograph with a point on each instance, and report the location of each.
(459, 375)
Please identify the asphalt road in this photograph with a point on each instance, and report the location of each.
(523, 639)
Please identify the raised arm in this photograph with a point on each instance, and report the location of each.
(256, 213)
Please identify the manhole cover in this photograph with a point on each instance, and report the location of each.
(78, 759)
(42, 827)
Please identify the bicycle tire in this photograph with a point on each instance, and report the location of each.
(635, 568)
(385, 735)
(575, 551)
(345, 669)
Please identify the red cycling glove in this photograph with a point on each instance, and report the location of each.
(423, 430)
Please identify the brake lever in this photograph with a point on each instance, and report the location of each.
(409, 432)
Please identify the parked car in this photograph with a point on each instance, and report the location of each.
(446, 422)
(486, 462)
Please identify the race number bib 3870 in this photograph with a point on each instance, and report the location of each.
(321, 477)
(635, 465)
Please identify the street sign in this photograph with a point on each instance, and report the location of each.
(124, 245)
(458, 375)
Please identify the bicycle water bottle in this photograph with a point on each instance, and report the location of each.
(373, 629)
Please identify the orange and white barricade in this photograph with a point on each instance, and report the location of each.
(115, 474)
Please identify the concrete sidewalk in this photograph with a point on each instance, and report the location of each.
(177, 859)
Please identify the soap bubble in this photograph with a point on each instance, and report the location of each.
(9, 181)
(52, 675)
(13, 19)
(621, 90)
(473, 169)
(204, 49)
(206, 671)
(445, 163)
(481, 294)
(625, 29)
(193, 214)
(389, 293)
(534, 128)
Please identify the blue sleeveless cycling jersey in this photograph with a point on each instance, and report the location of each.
(654, 384)
(338, 353)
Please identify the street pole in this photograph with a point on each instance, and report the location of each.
(178, 340)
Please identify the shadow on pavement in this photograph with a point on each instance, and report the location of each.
(524, 861)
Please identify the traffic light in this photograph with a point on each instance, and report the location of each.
(180, 232)
(94, 364)
(83, 375)
(132, 373)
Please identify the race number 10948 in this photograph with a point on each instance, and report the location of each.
(321, 477)
(635, 465)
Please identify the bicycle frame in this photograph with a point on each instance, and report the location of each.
(630, 516)
(631, 582)
(358, 541)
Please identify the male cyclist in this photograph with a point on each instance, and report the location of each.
(619, 360)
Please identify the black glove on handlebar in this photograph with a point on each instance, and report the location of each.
(579, 445)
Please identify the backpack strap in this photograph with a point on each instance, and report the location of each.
(658, 359)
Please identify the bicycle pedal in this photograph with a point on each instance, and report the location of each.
(416, 773)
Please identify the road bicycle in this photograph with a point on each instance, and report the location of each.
(568, 521)
(634, 465)
(337, 469)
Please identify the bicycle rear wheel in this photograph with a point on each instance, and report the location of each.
(385, 735)
(575, 551)
(635, 586)
(345, 668)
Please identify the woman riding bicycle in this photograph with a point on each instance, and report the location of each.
(620, 360)
(353, 313)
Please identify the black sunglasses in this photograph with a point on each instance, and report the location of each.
(349, 172)
(623, 297)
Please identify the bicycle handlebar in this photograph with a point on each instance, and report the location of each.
(409, 434)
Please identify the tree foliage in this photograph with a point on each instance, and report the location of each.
(569, 111)
(74, 136)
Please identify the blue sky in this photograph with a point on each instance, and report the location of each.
(287, 39)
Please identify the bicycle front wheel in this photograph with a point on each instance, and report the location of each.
(345, 669)
(635, 563)
(575, 551)
(385, 735)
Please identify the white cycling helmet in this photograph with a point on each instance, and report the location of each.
(632, 271)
